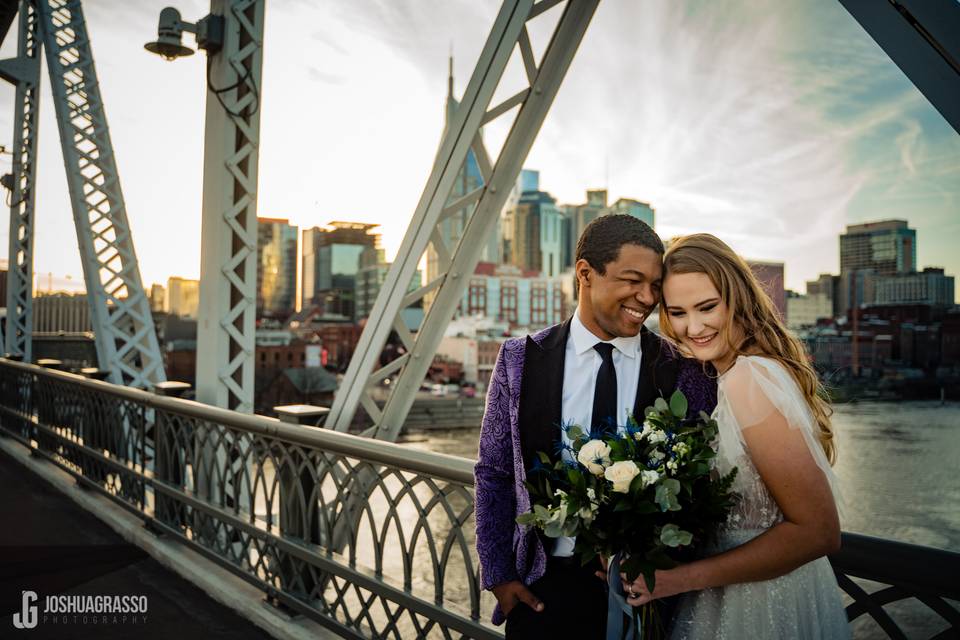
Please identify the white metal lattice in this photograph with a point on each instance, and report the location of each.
(24, 71)
(228, 272)
(126, 340)
(509, 34)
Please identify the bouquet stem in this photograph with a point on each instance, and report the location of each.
(647, 620)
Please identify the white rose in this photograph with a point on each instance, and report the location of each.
(657, 437)
(621, 474)
(595, 456)
(657, 455)
(649, 477)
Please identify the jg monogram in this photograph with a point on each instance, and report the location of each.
(27, 618)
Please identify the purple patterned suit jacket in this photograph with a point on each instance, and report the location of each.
(523, 415)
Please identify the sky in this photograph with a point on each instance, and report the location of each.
(770, 123)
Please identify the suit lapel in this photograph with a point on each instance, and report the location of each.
(541, 393)
(657, 376)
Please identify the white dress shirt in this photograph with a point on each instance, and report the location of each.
(580, 367)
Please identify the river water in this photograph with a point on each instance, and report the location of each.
(897, 465)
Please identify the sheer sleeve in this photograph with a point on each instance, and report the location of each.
(758, 387)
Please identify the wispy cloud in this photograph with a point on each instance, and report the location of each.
(771, 124)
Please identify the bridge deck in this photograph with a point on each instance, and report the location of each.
(50, 545)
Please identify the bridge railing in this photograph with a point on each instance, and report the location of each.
(273, 502)
(369, 538)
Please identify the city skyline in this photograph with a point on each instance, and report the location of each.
(772, 126)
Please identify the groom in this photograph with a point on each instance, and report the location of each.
(590, 370)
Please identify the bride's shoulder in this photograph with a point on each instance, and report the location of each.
(749, 371)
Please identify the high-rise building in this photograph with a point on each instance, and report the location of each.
(536, 236)
(331, 261)
(826, 284)
(888, 247)
(183, 297)
(871, 250)
(639, 210)
(568, 245)
(931, 286)
(452, 227)
(584, 214)
(528, 180)
(370, 277)
(158, 297)
(276, 268)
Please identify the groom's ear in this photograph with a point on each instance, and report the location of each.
(582, 271)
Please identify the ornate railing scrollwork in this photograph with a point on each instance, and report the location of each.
(399, 563)
(405, 565)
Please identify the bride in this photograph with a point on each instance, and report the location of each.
(766, 575)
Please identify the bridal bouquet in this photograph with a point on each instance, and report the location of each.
(647, 492)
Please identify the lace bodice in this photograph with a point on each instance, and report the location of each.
(747, 394)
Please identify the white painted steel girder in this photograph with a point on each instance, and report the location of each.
(24, 72)
(228, 270)
(509, 33)
(126, 340)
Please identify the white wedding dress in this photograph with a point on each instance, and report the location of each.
(805, 603)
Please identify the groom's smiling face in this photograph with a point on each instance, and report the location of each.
(615, 303)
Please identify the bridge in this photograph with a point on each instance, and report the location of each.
(399, 563)
(341, 535)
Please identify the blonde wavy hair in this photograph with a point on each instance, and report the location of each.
(750, 310)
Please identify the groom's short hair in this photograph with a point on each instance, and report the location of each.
(601, 240)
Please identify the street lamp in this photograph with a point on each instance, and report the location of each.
(208, 32)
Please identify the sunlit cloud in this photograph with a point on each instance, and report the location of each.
(772, 124)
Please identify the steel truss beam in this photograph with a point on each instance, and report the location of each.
(509, 33)
(228, 269)
(922, 37)
(126, 340)
(24, 71)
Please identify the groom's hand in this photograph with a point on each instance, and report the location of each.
(510, 594)
(604, 562)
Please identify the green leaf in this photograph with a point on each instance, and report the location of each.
(527, 518)
(666, 495)
(661, 405)
(635, 565)
(544, 458)
(574, 433)
(678, 404)
(673, 536)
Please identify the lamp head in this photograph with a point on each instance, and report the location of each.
(169, 33)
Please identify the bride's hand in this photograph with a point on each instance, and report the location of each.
(669, 582)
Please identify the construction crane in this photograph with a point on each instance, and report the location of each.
(125, 337)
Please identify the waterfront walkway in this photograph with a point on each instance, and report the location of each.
(51, 545)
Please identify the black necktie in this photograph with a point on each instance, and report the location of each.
(605, 392)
